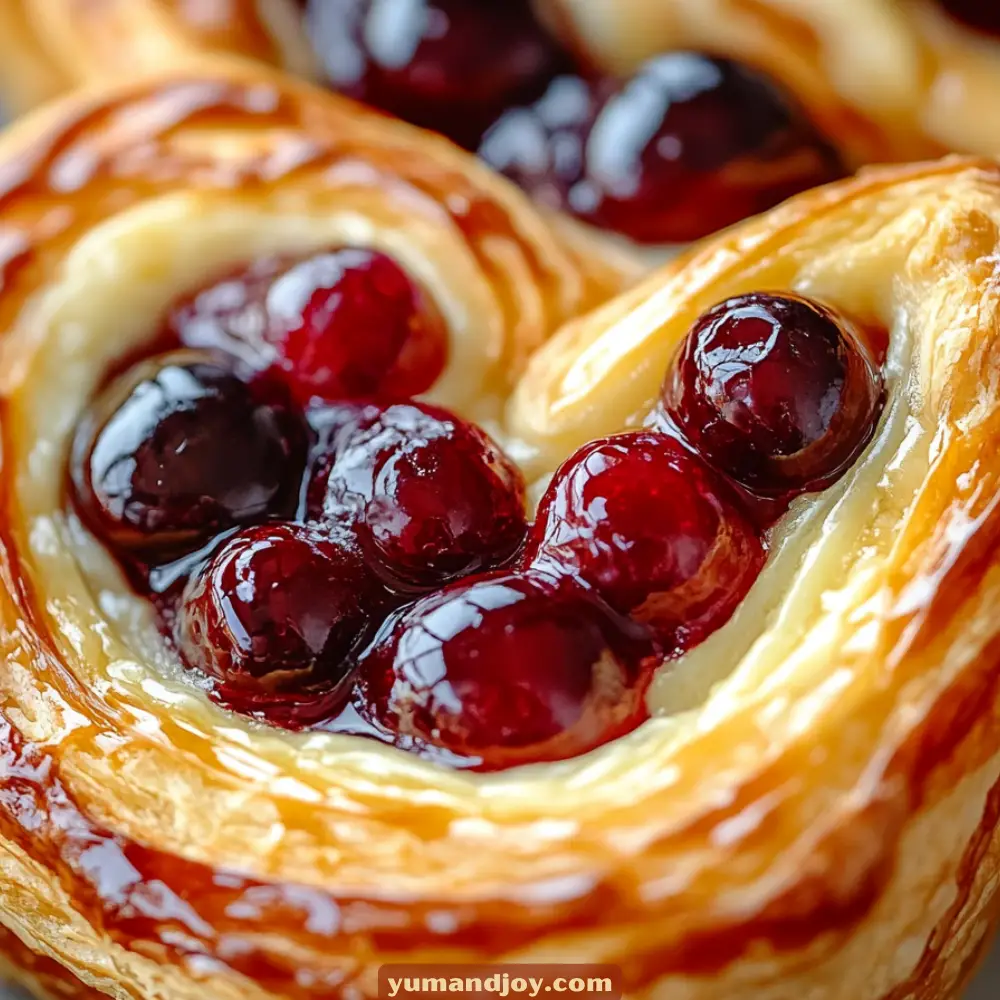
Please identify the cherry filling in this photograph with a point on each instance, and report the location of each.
(320, 559)
(654, 531)
(508, 669)
(448, 65)
(778, 392)
(275, 618)
(430, 496)
(688, 145)
(982, 15)
(343, 324)
(180, 449)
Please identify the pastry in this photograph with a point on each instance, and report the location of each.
(886, 79)
(612, 130)
(113, 206)
(291, 687)
(679, 148)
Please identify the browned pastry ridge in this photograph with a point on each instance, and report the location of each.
(886, 80)
(814, 808)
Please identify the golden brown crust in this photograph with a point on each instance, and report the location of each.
(818, 819)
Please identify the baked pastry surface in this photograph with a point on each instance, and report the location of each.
(813, 809)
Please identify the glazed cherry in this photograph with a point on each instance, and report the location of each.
(343, 324)
(685, 147)
(507, 669)
(979, 14)
(275, 619)
(430, 496)
(179, 449)
(448, 65)
(777, 391)
(653, 530)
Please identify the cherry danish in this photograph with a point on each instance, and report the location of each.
(788, 783)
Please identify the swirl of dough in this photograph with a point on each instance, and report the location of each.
(814, 808)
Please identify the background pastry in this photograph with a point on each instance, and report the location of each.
(688, 145)
(886, 79)
(792, 786)
(816, 89)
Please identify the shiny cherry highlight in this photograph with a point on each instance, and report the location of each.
(179, 449)
(430, 496)
(654, 531)
(275, 619)
(343, 324)
(688, 145)
(779, 392)
(448, 65)
(506, 670)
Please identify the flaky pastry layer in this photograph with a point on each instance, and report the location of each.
(813, 810)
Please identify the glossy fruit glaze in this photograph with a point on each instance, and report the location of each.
(400, 594)
(178, 450)
(335, 325)
(449, 65)
(686, 146)
(778, 392)
(508, 669)
(653, 530)
(275, 617)
(430, 497)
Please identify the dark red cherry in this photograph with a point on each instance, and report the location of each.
(653, 530)
(275, 619)
(777, 391)
(179, 449)
(431, 496)
(510, 669)
(448, 65)
(685, 147)
(342, 324)
(983, 15)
